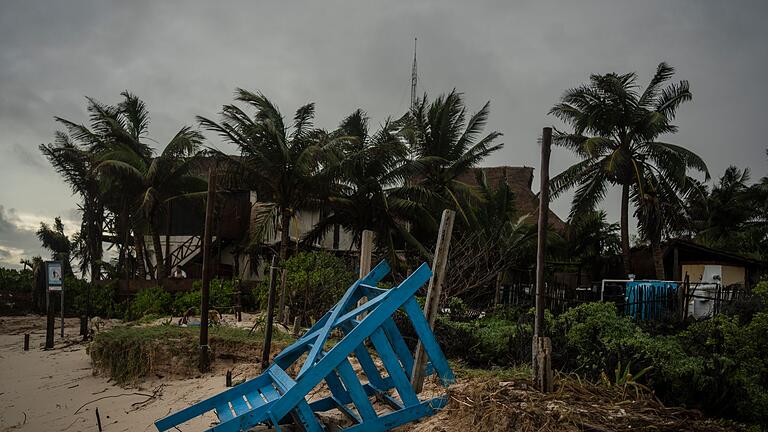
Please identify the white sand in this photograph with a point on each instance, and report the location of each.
(41, 390)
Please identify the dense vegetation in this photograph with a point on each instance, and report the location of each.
(718, 365)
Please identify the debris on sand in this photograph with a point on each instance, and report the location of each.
(489, 405)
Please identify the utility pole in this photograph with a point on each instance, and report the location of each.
(204, 363)
(435, 290)
(542, 346)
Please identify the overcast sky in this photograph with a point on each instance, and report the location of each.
(186, 58)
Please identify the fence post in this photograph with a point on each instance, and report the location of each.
(434, 291)
(542, 346)
(270, 313)
(204, 361)
(281, 306)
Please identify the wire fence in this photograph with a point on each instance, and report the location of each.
(640, 300)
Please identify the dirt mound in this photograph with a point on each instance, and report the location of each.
(490, 405)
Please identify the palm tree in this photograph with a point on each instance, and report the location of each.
(54, 239)
(731, 214)
(279, 162)
(616, 132)
(150, 181)
(366, 193)
(660, 210)
(444, 145)
(76, 165)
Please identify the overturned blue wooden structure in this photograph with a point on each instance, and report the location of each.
(275, 398)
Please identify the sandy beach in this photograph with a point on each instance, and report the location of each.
(56, 390)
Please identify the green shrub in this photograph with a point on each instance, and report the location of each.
(153, 300)
(595, 337)
(220, 294)
(17, 280)
(315, 281)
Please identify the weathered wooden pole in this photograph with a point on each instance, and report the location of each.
(50, 319)
(366, 251)
(434, 291)
(270, 314)
(26, 342)
(497, 294)
(204, 363)
(366, 248)
(281, 306)
(542, 346)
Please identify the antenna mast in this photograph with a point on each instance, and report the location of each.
(414, 76)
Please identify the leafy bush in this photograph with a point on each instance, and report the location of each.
(315, 281)
(153, 300)
(16, 280)
(220, 295)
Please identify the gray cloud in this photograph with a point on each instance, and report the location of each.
(186, 58)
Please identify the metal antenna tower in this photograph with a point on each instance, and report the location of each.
(414, 76)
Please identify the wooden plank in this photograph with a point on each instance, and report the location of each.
(398, 418)
(429, 342)
(439, 267)
(302, 413)
(399, 345)
(356, 391)
(389, 358)
(239, 406)
(224, 412)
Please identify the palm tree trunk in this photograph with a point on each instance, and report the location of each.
(625, 253)
(658, 260)
(121, 222)
(159, 261)
(285, 234)
(139, 239)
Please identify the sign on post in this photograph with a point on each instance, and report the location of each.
(54, 275)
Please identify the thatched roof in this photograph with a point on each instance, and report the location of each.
(519, 180)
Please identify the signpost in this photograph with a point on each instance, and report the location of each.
(54, 281)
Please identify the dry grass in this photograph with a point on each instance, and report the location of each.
(487, 404)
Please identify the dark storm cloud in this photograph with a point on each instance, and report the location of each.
(186, 58)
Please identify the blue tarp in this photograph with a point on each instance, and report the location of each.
(648, 299)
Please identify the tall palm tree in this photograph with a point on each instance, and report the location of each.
(150, 181)
(76, 165)
(616, 131)
(445, 144)
(660, 209)
(366, 194)
(280, 162)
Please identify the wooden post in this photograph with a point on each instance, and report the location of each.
(286, 316)
(26, 342)
(270, 313)
(296, 326)
(542, 346)
(435, 290)
(497, 295)
(204, 362)
(366, 247)
(50, 319)
(281, 306)
(366, 250)
(61, 297)
(98, 419)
